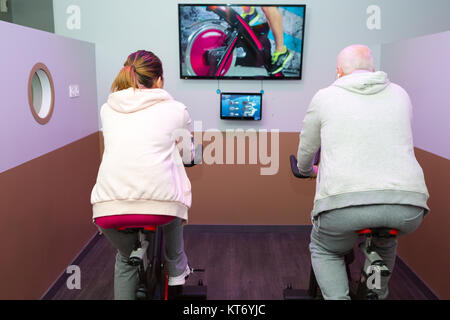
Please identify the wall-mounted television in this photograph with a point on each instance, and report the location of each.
(241, 106)
(241, 41)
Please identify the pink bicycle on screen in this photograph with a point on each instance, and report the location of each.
(212, 48)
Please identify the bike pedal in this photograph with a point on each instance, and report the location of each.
(142, 293)
(134, 262)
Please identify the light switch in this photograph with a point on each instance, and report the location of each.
(74, 91)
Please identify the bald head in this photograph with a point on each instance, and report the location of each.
(355, 57)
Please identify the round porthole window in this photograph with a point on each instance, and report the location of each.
(41, 93)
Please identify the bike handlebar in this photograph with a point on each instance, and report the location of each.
(294, 168)
(294, 165)
(198, 156)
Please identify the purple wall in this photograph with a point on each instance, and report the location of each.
(422, 67)
(70, 62)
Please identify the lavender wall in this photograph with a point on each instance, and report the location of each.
(70, 62)
(422, 66)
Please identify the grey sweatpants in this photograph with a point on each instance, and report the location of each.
(334, 235)
(125, 276)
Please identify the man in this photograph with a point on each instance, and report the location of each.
(368, 175)
(282, 55)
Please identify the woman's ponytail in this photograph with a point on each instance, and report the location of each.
(125, 79)
(141, 68)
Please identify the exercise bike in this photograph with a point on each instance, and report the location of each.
(212, 48)
(376, 263)
(153, 277)
(148, 257)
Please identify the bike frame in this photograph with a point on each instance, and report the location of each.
(241, 30)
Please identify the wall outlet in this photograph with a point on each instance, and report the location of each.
(74, 91)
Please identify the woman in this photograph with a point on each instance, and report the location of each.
(142, 179)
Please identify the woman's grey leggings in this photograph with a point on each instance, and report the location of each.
(125, 276)
(334, 235)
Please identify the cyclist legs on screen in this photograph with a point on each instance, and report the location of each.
(282, 55)
(275, 19)
(334, 235)
(125, 276)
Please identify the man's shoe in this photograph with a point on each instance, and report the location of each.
(251, 17)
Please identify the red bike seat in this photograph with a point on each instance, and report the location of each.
(379, 232)
(133, 221)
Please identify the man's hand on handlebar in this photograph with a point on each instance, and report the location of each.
(296, 172)
(314, 175)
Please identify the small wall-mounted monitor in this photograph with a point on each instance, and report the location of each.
(241, 106)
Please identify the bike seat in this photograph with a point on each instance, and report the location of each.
(133, 221)
(379, 232)
(133, 229)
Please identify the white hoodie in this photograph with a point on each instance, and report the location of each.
(363, 125)
(141, 170)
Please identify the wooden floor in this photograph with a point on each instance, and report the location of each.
(241, 264)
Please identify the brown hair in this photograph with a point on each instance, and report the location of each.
(142, 67)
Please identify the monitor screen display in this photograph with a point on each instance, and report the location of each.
(241, 106)
(241, 41)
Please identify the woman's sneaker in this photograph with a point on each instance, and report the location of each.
(251, 17)
(181, 279)
(280, 60)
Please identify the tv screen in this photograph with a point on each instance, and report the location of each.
(240, 106)
(241, 41)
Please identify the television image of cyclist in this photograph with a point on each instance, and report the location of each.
(281, 55)
(268, 41)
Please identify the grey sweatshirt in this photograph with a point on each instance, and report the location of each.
(363, 125)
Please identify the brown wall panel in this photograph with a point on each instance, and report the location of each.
(45, 214)
(427, 250)
(240, 195)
